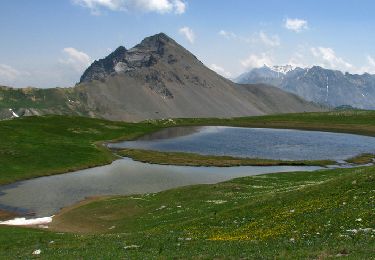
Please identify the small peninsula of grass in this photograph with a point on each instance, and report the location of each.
(191, 159)
(362, 159)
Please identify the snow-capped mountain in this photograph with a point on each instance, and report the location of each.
(283, 69)
(324, 86)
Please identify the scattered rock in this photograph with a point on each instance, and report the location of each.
(131, 247)
(37, 252)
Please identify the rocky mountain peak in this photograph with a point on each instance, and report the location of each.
(146, 54)
(118, 53)
(157, 39)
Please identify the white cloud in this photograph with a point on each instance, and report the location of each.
(328, 57)
(76, 59)
(257, 61)
(158, 6)
(296, 25)
(369, 67)
(260, 37)
(226, 34)
(180, 6)
(297, 60)
(220, 70)
(8, 73)
(188, 33)
(272, 40)
(371, 60)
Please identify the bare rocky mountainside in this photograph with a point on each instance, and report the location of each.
(156, 79)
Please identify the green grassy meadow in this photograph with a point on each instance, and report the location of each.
(310, 215)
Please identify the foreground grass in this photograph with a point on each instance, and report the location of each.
(292, 215)
(305, 215)
(191, 159)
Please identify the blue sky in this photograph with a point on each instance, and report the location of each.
(48, 43)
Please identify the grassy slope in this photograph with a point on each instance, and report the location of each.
(38, 146)
(33, 98)
(287, 216)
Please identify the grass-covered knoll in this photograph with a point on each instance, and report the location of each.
(284, 216)
(191, 159)
(38, 146)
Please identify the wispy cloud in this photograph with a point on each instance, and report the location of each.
(257, 61)
(296, 25)
(260, 37)
(8, 72)
(78, 60)
(329, 58)
(228, 35)
(220, 70)
(369, 67)
(272, 40)
(9, 75)
(147, 6)
(188, 33)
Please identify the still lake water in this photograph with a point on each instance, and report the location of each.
(47, 195)
(281, 144)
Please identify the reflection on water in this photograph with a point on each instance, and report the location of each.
(171, 132)
(281, 144)
(46, 195)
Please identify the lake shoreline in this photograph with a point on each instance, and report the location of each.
(7, 215)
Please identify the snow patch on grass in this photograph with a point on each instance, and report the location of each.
(27, 222)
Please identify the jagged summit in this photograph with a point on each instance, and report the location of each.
(160, 38)
(284, 69)
(145, 54)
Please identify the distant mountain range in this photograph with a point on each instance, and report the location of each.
(157, 78)
(328, 87)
